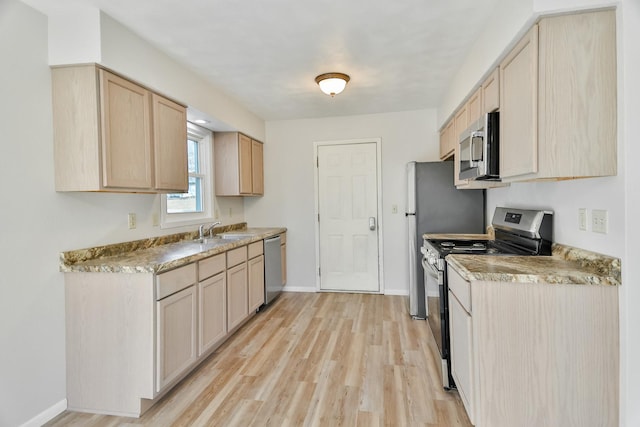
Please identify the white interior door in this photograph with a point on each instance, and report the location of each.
(348, 217)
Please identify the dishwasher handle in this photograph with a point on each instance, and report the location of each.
(272, 239)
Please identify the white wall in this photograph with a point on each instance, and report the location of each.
(36, 223)
(289, 184)
(509, 19)
(630, 291)
(85, 34)
(32, 303)
(148, 65)
(616, 194)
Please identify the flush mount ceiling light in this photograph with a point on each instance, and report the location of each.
(332, 83)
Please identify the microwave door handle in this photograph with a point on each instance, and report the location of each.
(472, 137)
(471, 150)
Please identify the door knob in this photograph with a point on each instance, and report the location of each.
(372, 223)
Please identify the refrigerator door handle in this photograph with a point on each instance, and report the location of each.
(372, 223)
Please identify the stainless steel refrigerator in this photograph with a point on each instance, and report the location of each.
(434, 205)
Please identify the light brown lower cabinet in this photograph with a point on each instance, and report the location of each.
(177, 341)
(256, 282)
(130, 337)
(237, 287)
(212, 294)
(535, 354)
(255, 267)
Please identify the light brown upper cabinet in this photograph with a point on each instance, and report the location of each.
(239, 167)
(491, 92)
(461, 120)
(558, 100)
(169, 131)
(111, 134)
(474, 106)
(518, 115)
(447, 140)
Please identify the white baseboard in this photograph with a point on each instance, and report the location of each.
(298, 289)
(47, 415)
(399, 292)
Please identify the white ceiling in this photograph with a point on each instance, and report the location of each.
(401, 55)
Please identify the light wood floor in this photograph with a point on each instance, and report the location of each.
(316, 359)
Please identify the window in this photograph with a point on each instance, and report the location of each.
(196, 205)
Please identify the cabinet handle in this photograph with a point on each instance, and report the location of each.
(372, 223)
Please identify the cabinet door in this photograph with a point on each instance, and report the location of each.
(577, 88)
(237, 298)
(283, 262)
(447, 145)
(519, 108)
(212, 322)
(256, 282)
(461, 353)
(461, 124)
(491, 92)
(126, 133)
(257, 169)
(475, 106)
(244, 160)
(170, 145)
(176, 328)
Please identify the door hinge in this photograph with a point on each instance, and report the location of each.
(317, 162)
(319, 273)
(318, 217)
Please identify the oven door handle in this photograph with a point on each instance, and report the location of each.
(429, 268)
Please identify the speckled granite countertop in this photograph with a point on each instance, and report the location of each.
(567, 265)
(450, 236)
(159, 254)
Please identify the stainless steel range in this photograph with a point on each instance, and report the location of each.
(517, 232)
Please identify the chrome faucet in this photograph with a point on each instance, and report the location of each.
(202, 227)
(211, 227)
(201, 231)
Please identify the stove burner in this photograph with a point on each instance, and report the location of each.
(447, 244)
(473, 247)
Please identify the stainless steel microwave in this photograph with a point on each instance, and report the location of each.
(480, 149)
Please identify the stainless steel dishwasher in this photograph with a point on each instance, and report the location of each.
(272, 268)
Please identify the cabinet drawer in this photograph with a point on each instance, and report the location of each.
(236, 256)
(460, 288)
(172, 281)
(211, 266)
(255, 249)
(283, 238)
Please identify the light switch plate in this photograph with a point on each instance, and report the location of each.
(394, 209)
(599, 221)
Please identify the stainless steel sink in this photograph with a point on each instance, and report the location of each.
(233, 236)
(217, 239)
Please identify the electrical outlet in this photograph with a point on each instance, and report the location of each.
(394, 209)
(582, 219)
(155, 219)
(132, 221)
(230, 211)
(599, 221)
